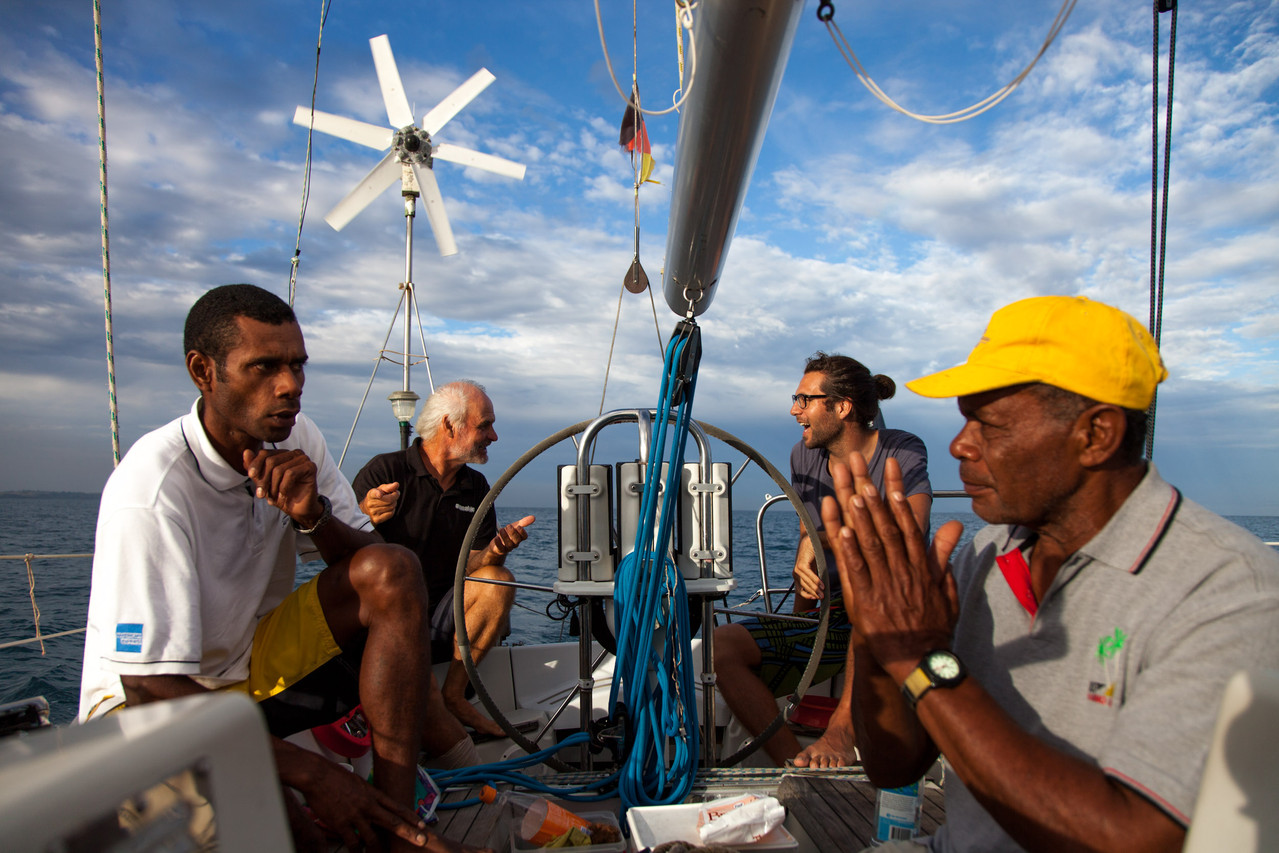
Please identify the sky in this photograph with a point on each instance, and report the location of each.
(863, 231)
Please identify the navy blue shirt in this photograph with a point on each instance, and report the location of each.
(810, 473)
(429, 521)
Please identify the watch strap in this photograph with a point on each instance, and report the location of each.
(925, 677)
(326, 512)
(916, 685)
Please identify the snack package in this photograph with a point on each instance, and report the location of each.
(739, 820)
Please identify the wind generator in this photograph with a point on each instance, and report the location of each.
(411, 157)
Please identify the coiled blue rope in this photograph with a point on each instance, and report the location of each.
(654, 667)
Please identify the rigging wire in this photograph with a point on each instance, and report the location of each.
(1159, 242)
(679, 54)
(325, 5)
(684, 9)
(637, 168)
(112, 404)
(617, 320)
(826, 14)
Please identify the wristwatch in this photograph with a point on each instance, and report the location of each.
(326, 512)
(938, 668)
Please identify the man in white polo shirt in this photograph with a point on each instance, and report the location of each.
(197, 542)
(1069, 662)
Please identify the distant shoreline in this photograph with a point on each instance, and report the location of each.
(33, 493)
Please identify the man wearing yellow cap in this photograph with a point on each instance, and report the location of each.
(1069, 662)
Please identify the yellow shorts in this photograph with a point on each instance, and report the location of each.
(290, 642)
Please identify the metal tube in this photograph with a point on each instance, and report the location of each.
(742, 48)
(410, 205)
(763, 558)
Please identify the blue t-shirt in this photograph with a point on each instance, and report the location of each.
(810, 472)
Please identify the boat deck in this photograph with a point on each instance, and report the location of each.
(825, 809)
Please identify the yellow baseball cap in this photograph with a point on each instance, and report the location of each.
(1071, 342)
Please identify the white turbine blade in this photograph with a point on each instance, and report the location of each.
(349, 129)
(388, 77)
(434, 203)
(377, 180)
(458, 98)
(487, 162)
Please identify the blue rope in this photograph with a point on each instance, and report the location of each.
(654, 672)
(506, 771)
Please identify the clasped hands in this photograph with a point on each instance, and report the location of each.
(904, 601)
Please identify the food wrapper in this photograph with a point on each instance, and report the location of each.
(739, 820)
(575, 837)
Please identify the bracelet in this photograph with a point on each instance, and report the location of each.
(326, 512)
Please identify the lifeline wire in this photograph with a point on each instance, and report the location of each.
(653, 670)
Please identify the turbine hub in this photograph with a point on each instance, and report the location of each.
(413, 145)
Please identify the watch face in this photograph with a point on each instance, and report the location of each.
(944, 666)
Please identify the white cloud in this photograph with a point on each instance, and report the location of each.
(864, 232)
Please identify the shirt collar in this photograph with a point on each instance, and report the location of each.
(1133, 533)
(1130, 536)
(213, 468)
(418, 466)
(413, 456)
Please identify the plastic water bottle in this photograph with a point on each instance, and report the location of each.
(897, 813)
(537, 818)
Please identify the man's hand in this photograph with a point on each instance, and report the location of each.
(286, 478)
(904, 597)
(345, 804)
(509, 538)
(380, 502)
(809, 586)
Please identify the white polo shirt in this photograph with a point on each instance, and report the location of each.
(187, 560)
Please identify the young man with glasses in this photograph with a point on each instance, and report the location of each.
(756, 660)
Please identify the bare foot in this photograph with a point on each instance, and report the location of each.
(468, 715)
(835, 748)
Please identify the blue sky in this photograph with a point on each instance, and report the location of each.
(863, 232)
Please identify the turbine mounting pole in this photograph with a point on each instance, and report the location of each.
(410, 191)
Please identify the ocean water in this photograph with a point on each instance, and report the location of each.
(63, 523)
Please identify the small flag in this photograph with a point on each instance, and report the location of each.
(634, 138)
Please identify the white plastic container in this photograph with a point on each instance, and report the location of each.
(654, 825)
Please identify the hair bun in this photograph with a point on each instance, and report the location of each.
(885, 387)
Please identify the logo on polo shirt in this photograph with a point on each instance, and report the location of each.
(128, 637)
(1108, 648)
(461, 508)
